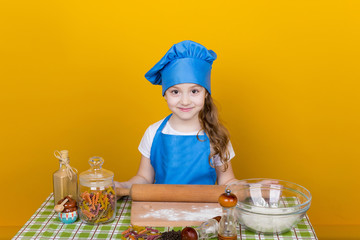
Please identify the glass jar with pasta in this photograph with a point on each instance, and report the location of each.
(97, 200)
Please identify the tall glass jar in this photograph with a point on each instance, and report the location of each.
(97, 200)
(65, 180)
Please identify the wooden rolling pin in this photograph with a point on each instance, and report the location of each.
(172, 192)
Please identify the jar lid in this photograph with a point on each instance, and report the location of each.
(96, 176)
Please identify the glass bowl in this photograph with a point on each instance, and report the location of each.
(269, 205)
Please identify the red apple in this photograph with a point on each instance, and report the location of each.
(189, 233)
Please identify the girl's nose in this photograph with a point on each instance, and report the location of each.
(185, 99)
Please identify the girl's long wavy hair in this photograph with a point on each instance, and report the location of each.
(218, 134)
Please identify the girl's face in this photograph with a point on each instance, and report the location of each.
(185, 100)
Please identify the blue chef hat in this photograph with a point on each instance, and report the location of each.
(185, 62)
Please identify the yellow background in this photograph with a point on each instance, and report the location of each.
(286, 82)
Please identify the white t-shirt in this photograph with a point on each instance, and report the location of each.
(147, 140)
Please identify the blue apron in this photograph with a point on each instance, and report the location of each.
(181, 159)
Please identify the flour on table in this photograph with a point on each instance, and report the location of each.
(196, 214)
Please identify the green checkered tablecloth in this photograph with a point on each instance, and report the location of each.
(44, 224)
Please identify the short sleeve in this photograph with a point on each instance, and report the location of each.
(216, 158)
(145, 144)
(148, 138)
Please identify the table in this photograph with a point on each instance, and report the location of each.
(44, 224)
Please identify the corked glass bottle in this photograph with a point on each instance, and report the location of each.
(65, 181)
(227, 224)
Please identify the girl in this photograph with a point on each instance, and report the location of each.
(190, 146)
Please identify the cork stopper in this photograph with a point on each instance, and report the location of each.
(64, 154)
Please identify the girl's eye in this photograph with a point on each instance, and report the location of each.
(174, 91)
(194, 91)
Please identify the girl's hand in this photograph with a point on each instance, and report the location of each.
(244, 189)
(145, 175)
(119, 189)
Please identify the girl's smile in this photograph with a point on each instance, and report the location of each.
(185, 109)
